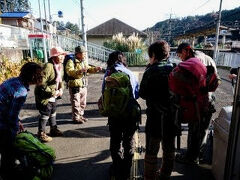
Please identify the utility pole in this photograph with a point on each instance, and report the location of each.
(45, 13)
(5, 6)
(170, 28)
(44, 40)
(84, 35)
(217, 33)
(49, 11)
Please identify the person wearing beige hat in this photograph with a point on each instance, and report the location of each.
(77, 70)
(47, 93)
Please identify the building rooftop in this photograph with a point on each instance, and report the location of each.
(14, 14)
(112, 27)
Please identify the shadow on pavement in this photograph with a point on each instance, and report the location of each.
(33, 121)
(90, 132)
(83, 168)
(32, 106)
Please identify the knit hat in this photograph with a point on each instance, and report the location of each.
(56, 51)
(80, 49)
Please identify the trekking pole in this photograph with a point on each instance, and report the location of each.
(135, 174)
(179, 128)
(178, 142)
(233, 86)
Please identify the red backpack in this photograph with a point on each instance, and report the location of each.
(185, 83)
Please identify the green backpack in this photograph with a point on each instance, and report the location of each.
(116, 95)
(39, 155)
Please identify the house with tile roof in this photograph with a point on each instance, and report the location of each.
(106, 30)
(19, 19)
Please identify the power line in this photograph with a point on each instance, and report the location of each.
(200, 6)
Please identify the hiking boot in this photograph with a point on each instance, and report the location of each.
(84, 119)
(55, 132)
(180, 158)
(43, 137)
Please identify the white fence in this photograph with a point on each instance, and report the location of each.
(228, 59)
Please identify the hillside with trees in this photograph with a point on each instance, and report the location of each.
(14, 5)
(176, 26)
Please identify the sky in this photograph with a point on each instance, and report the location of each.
(139, 14)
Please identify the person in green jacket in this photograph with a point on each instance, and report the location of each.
(47, 93)
(77, 70)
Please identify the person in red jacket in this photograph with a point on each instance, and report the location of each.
(194, 102)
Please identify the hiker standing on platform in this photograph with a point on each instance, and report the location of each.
(48, 92)
(77, 69)
(13, 94)
(199, 124)
(159, 125)
(122, 127)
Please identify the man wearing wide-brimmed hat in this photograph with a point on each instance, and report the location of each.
(47, 93)
(77, 70)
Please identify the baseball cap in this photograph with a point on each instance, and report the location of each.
(80, 49)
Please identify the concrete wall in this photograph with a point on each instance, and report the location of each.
(98, 41)
(13, 37)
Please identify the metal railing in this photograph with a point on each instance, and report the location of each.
(97, 52)
(100, 53)
(136, 59)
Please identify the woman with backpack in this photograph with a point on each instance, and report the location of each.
(48, 92)
(122, 127)
(195, 101)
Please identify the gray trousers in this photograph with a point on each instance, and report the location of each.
(78, 98)
(47, 114)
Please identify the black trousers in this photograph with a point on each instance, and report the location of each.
(122, 146)
(197, 133)
(8, 154)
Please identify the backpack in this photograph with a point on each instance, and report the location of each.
(66, 78)
(35, 155)
(186, 82)
(116, 95)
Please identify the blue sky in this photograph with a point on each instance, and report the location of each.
(138, 13)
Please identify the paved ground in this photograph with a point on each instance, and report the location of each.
(82, 154)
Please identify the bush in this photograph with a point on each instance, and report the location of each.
(121, 43)
(133, 48)
(9, 69)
